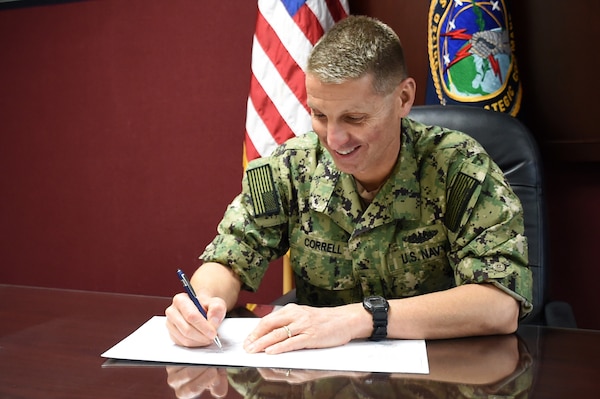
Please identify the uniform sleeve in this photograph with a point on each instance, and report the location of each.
(484, 218)
(253, 231)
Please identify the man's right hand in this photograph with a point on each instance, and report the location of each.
(187, 326)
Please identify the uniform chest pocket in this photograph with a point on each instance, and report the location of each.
(322, 263)
(417, 261)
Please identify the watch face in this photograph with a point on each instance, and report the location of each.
(376, 302)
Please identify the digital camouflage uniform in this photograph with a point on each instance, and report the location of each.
(445, 217)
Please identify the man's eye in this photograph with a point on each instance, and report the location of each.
(355, 119)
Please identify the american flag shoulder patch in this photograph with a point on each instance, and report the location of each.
(263, 192)
(461, 191)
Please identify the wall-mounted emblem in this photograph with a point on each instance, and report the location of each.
(471, 55)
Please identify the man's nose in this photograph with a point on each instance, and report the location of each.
(337, 136)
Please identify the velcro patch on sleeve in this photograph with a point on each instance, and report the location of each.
(262, 190)
(460, 193)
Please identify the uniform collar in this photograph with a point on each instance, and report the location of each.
(334, 193)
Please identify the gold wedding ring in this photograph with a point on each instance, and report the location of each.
(288, 331)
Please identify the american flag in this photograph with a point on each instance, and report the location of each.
(286, 31)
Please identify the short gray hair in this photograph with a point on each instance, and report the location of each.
(356, 46)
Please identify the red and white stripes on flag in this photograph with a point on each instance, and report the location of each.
(286, 31)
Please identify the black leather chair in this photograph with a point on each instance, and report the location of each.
(512, 147)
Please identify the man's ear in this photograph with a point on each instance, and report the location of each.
(406, 95)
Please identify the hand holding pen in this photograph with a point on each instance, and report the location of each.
(192, 294)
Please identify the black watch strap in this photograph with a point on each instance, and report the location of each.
(380, 321)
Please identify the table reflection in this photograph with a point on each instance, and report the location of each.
(459, 368)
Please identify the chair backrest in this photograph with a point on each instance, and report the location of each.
(512, 147)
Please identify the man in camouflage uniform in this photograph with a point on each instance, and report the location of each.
(370, 203)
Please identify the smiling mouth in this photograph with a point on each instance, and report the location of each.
(346, 152)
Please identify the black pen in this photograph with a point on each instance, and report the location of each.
(192, 294)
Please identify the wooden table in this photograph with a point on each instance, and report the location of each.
(51, 341)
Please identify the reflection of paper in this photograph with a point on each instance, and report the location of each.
(151, 342)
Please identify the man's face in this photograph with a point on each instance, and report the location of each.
(359, 127)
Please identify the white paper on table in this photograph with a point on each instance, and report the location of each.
(151, 342)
